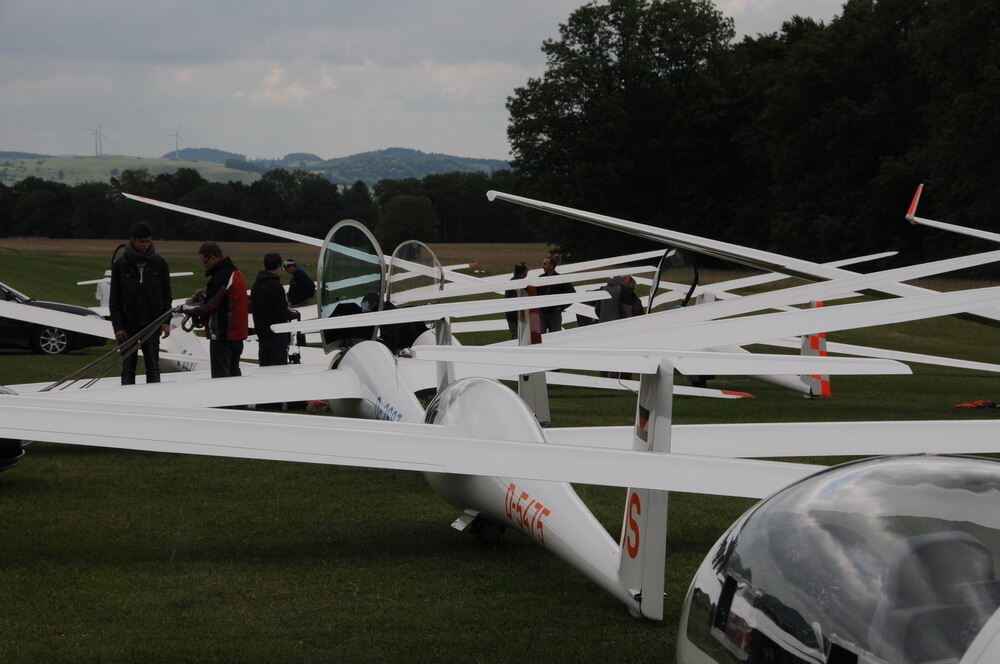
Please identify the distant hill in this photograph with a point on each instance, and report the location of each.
(221, 166)
(22, 155)
(394, 163)
(76, 170)
(205, 154)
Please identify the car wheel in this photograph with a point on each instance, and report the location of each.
(50, 341)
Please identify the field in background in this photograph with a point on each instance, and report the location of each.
(122, 556)
(492, 258)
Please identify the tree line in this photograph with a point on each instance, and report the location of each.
(448, 207)
(808, 141)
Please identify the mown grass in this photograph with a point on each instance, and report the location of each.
(124, 556)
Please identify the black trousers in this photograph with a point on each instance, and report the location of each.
(150, 357)
(225, 356)
(273, 350)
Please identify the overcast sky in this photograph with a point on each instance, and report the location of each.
(265, 78)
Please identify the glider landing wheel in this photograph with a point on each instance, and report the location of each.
(50, 341)
(10, 452)
(487, 532)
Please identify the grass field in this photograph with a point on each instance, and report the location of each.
(119, 557)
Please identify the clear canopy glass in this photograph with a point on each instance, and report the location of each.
(415, 274)
(892, 559)
(351, 279)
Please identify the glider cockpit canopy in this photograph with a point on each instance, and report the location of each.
(414, 275)
(414, 267)
(892, 558)
(351, 280)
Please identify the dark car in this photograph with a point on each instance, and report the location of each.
(43, 339)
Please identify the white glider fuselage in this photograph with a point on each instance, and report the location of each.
(551, 513)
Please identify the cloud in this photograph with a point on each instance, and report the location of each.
(265, 78)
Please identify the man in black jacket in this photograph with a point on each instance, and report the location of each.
(551, 317)
(222, 310)
(140, 293)
(269, 306)
(301, 287)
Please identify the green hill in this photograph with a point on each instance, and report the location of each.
(75, 170)
(214, 166)
(205, 154)
(399, 163)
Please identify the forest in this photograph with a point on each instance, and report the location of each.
(808, 141)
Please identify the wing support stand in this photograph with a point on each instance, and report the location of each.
(644, 527)
(532, 388)
(442, 337)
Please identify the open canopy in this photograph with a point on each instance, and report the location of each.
(351, 279)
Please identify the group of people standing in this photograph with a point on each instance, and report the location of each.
(140, 295)
(624, 303)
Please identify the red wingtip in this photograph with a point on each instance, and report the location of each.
(742, 395)
(913, 204)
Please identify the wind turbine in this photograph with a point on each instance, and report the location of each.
(177, 140)
(98, 139)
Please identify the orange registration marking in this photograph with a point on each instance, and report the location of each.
(632, 534)
(526, 512)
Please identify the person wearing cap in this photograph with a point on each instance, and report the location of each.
(103, 292)
(301, 287)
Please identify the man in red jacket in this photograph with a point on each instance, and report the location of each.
(223, 311)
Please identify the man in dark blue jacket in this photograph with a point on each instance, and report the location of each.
(140, 293)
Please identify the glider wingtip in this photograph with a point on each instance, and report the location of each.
(741, 395)
(912, 211)
(490, 195)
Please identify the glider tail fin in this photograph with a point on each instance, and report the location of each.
(815, 344)
(643, 540)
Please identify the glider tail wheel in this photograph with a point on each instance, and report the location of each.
(50, 341)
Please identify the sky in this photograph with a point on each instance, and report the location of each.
(265, 78)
